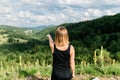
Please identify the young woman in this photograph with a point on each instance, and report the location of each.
(63, 55)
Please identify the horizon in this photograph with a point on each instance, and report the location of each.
(27, 13)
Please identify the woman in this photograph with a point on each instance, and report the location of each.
(63, 55)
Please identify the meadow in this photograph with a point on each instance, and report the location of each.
(19, 69)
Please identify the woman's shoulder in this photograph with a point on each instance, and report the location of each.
(71, 46)
(71, 49)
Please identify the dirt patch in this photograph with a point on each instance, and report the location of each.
(81, 77)
(90, 77)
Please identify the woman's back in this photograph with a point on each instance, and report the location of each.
(61, 64)
(61, 58)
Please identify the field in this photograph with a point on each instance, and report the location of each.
(22, 70)
(3, 37)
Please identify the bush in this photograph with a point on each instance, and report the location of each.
(117, 56)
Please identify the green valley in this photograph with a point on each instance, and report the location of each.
(25, 51)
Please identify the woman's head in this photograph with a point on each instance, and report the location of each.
(61, 36)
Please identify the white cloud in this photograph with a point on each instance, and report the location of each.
(112, 2)
(95, 12)
(4, 10)
(46, 12)
(24, 14)
(77, 2)
(109, 12)
(30, 2)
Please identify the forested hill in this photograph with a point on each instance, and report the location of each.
(86, 36)
(92, 34)
(99, 26)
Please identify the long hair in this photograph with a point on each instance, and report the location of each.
(61, 36)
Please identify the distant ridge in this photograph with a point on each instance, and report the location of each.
(9, 27)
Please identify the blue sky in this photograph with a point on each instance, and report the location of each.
(32, 13)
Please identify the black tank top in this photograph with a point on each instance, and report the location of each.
(61, 59)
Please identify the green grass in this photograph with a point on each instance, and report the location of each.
(19, 71)
(12, 70)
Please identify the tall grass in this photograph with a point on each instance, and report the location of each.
(12, 70)
(102, 65)
(18, 70)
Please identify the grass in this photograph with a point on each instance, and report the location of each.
(3, 39)
(12, 70)
(16, 71)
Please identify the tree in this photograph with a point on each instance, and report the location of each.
(10, 40)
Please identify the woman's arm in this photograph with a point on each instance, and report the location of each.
(51, 43)
(72, 61)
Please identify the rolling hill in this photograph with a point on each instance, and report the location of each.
(13, 39)
(10, 32)
(86, 36)
(92, 34)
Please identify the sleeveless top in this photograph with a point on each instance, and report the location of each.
(61, 59)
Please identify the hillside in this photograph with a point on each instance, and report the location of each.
(42, 34)
(86, 36)
(12, 28)
(39, 28)
(89, 35)
(20, 31)
(13, 38)
(92, 34)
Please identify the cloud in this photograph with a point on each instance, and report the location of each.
(47, 12)
(4, 10)
(81, 3)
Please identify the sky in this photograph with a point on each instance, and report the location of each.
(32, 13)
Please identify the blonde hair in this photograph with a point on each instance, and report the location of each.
(61, 36)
